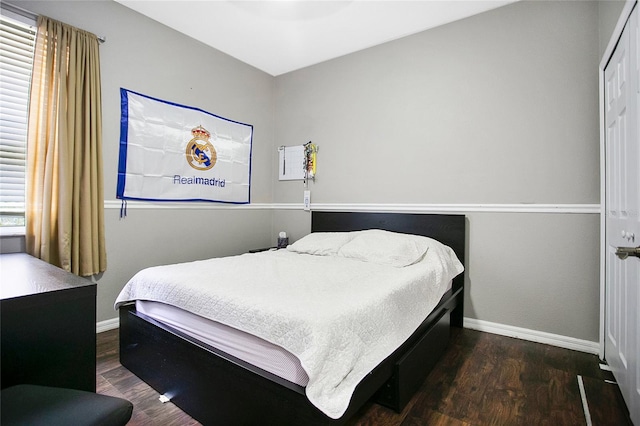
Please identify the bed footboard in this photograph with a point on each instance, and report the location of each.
(215, 388)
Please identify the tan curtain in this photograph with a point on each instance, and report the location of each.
(65, 199)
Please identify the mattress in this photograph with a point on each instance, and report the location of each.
(237, 343)
(244, 346)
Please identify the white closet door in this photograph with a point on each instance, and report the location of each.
(634, 221)
(622, 322)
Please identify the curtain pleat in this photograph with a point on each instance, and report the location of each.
(65, 195)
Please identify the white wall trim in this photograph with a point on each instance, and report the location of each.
(110, 324)
(386, 207)
(150, 205)
(464, 208)
(533, 335)
(12, 231)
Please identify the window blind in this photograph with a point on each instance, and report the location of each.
(17, 42)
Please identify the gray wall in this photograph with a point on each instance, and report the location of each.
(12, 244)
(500, 108)
(497, 108)
(608, 14)
(149, 58)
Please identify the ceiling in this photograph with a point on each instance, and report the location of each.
(279, 36)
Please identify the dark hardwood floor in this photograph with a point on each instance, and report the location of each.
(483, 379)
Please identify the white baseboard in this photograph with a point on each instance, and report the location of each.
(107, 325)
(479, 325)
(533, 336)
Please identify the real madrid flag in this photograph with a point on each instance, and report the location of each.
(171, 152)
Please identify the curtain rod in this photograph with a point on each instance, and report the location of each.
(30, 15)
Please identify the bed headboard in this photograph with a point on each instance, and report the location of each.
(446, 228)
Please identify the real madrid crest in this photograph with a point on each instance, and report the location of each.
(200, 153)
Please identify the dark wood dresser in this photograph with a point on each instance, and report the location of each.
(48, 325)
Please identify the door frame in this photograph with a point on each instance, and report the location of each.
(615, 36)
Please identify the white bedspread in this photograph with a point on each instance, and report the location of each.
(340, 317)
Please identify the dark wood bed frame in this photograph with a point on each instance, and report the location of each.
(218, 389)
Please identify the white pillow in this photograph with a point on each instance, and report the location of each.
(321, 243)
(385, 247)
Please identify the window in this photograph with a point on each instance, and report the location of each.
(17, 41)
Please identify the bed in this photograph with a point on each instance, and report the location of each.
(216, 387)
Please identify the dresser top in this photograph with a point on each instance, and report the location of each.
(23, 275)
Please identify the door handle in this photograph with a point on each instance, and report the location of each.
(624, 252)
